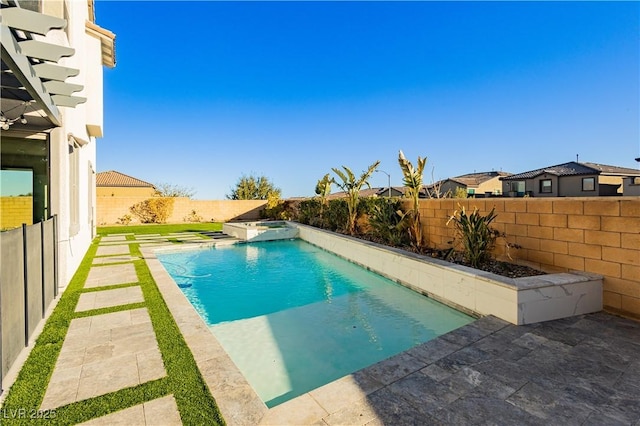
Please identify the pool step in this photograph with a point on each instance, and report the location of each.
(217, 235)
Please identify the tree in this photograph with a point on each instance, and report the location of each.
(412, 179)
(169, 190)
(253, 188)
(351, 186)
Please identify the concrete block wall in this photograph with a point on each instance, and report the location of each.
(597, 235)
(110, 209)
(14, 211)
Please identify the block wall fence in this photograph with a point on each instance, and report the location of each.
(110, 209)
(15, 211)
(598, 235)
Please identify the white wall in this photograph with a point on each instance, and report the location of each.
(75, 240)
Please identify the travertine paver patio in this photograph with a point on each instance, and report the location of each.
(100, 276)
(109, 298)
(109, 250)
(102, 354)
(161, 411)
(114, 259)
(583, 370)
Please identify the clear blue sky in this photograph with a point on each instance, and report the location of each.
(204, 92)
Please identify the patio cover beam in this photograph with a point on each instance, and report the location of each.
(24, 72)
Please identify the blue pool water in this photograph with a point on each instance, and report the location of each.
(294, 317)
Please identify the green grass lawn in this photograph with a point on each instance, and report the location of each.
(160, 229)
(183, 380)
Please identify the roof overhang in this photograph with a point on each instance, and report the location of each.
(107, 43)
(33, 84)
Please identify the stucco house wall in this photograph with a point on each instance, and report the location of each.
(631, 186)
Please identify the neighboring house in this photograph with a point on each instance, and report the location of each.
(395, 191)
(631, 186)
(116, 184)
(482, 184)
(571, 179)
(53, 55)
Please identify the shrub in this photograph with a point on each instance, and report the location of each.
(387, 224)
(309, 212)
(476, 235)
(336, 216)
(124, 220)
(193, 217)
(153, 210)
(280, 209)
(460, 193)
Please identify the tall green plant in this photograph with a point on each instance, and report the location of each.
(412, 179)
(386, 222)
(351, 186)
(323, 189)
(476, 235)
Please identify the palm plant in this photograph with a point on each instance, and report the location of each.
(351, 186)
(412, 179)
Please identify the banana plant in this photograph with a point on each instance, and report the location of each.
(412, 179)
(323, 189)
(351, 186)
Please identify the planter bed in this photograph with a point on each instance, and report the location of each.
(520, 301)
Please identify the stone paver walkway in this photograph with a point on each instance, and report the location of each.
(113, 351)
(161, 411)
(109, 298)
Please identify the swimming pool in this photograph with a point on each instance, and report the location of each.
(294, 317)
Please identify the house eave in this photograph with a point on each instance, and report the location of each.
(107, 42)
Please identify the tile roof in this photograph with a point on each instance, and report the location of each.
(369, 192)
(471, 179)
(117, 179)
(573, 168)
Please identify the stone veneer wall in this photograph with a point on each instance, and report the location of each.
(110, 209)
(597, 235)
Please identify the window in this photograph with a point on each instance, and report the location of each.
(517, 186)
(545, 186)
(589, 184)
(25, 173)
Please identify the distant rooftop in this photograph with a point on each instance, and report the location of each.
(573, 168)
(117, 179)
(471, 179)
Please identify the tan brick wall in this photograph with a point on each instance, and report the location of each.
(116, 191)
(598, 235)
(110, 209)
(14, 211)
